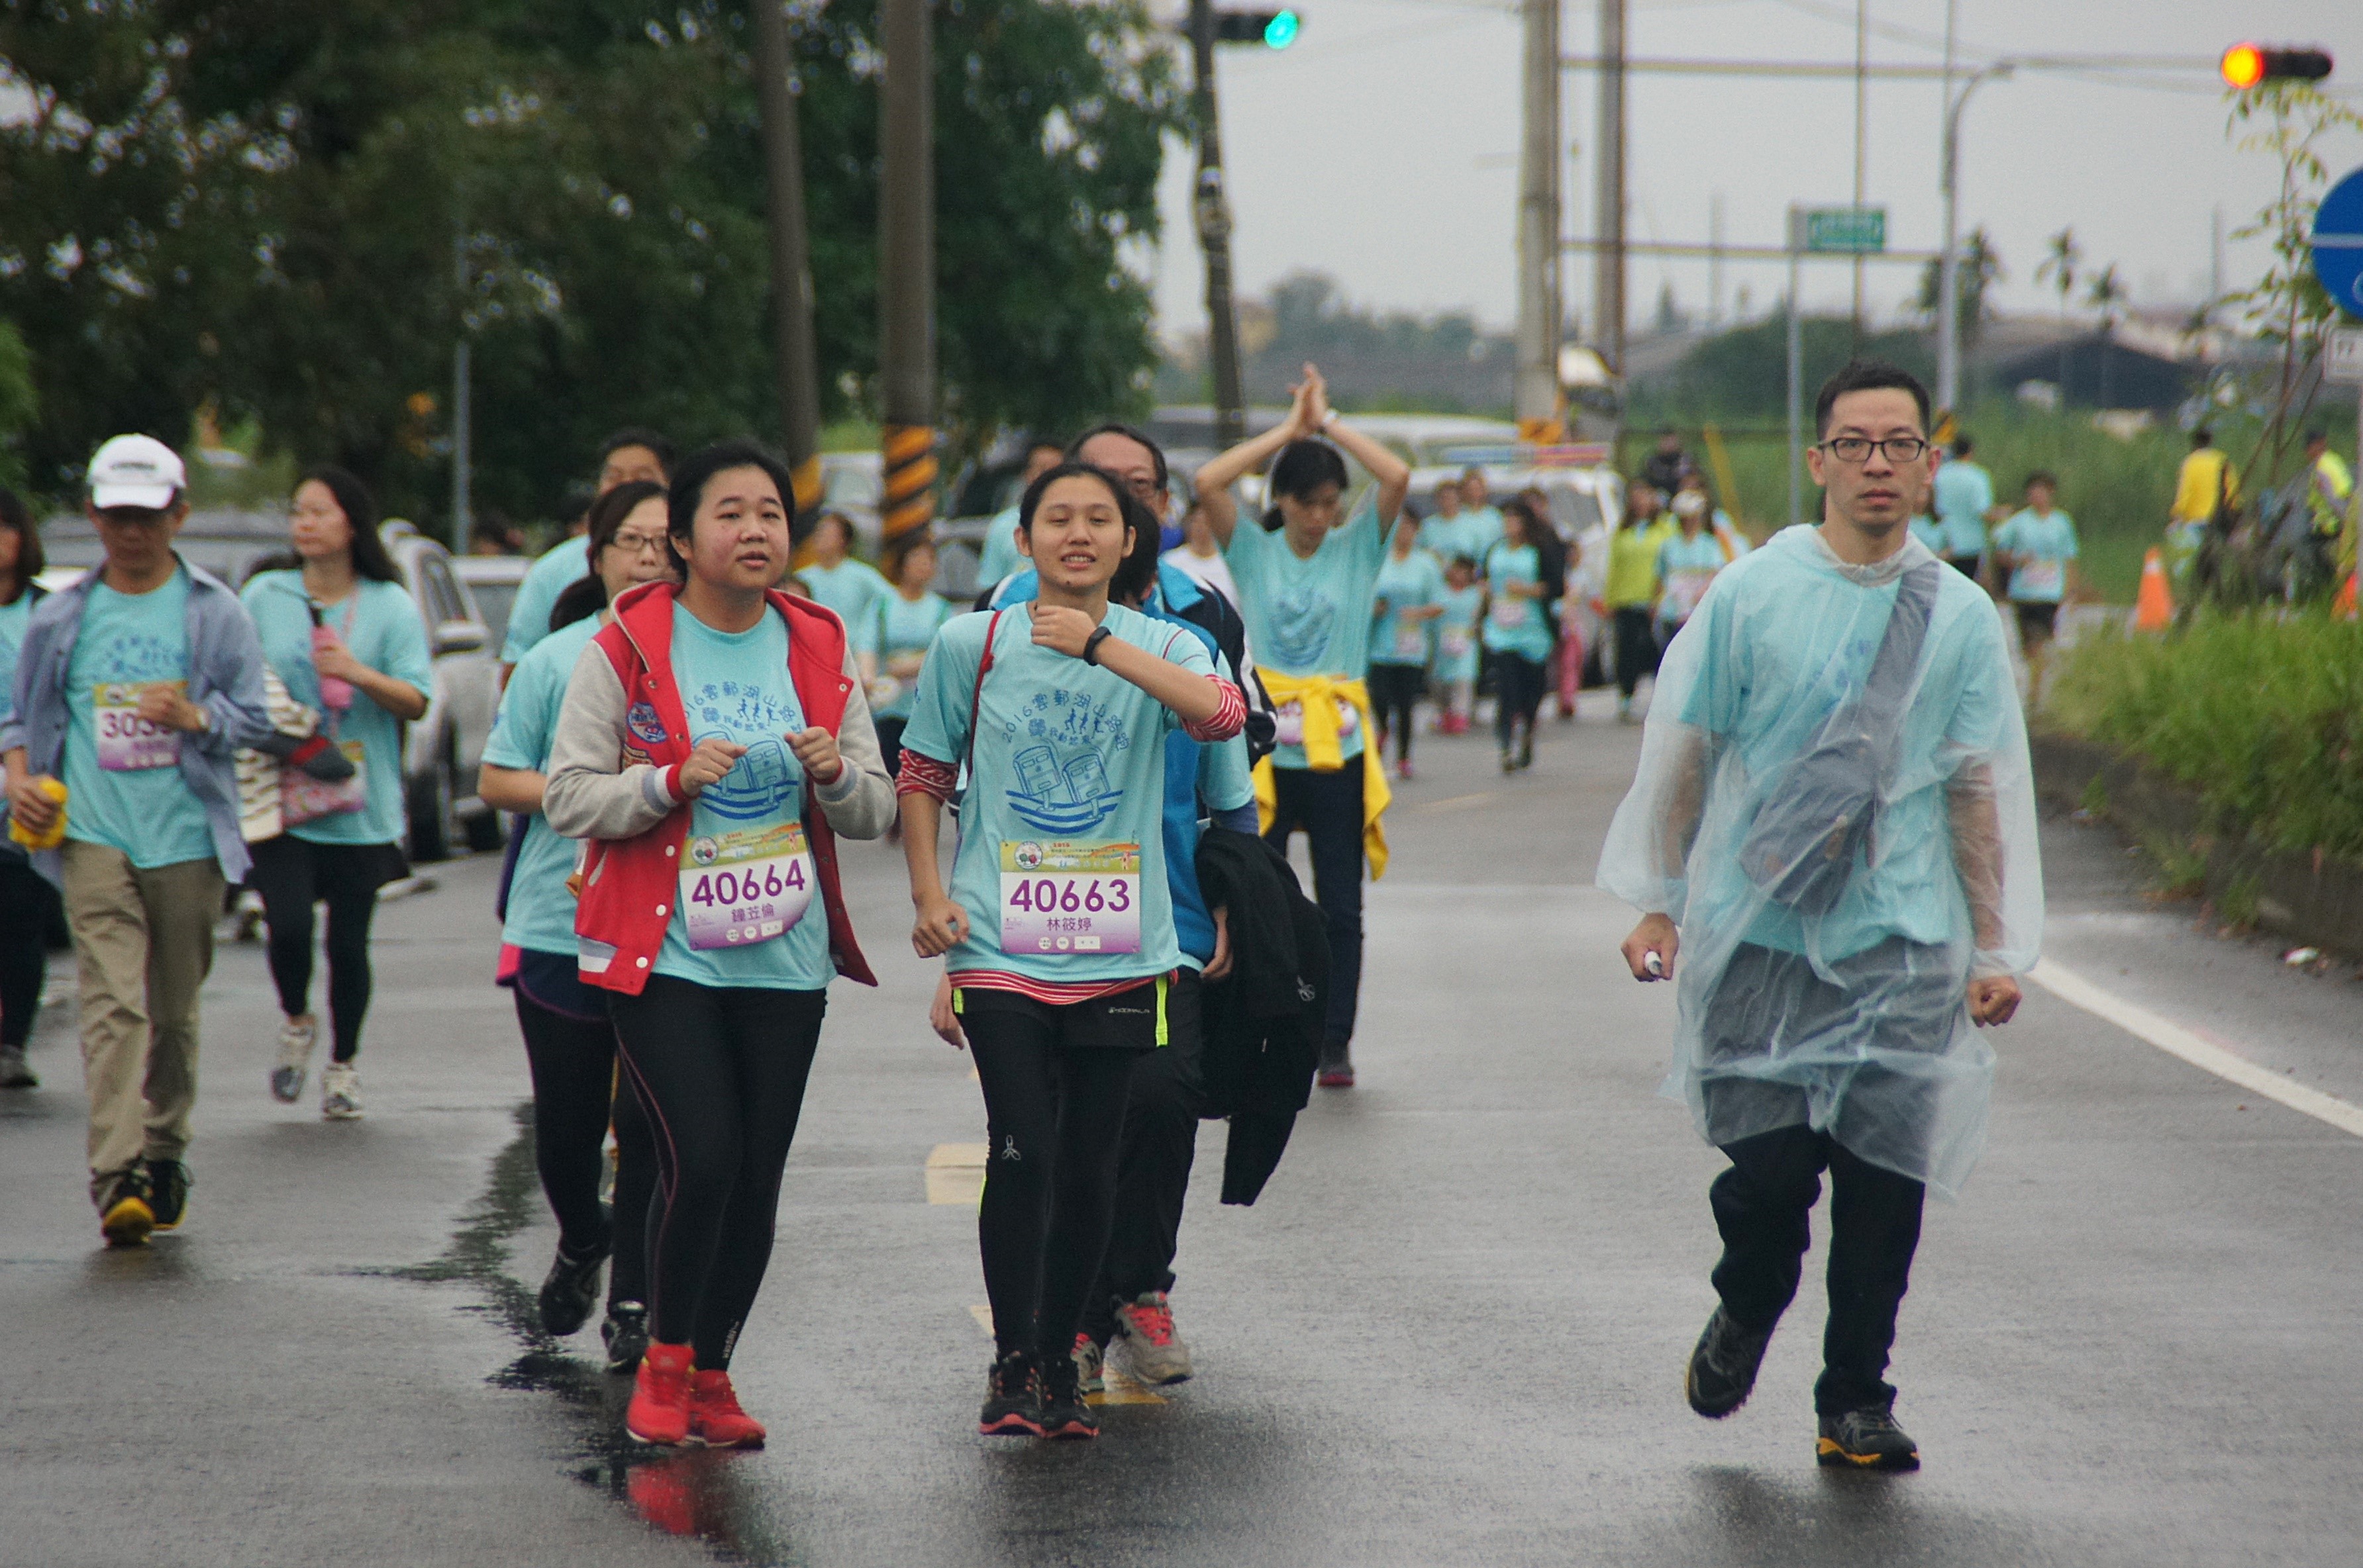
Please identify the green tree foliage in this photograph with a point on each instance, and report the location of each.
(1743, 374)
(294, 209)
(19, 403)
(1980, 268)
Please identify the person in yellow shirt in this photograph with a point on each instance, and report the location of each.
(1633, 589)
(2207, 484)
(2329, 501)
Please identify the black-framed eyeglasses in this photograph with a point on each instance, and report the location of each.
(1895, 448)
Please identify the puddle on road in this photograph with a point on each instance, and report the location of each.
(696, 1493)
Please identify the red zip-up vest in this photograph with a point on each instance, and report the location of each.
(629, 885)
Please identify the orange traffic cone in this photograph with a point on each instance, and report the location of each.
(2344, 606)
(2154, 607)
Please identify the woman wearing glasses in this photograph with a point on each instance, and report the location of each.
(570, 1045)
(345, 639)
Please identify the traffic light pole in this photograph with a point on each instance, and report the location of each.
(794, 363)
(1212, 209)
(906, 267)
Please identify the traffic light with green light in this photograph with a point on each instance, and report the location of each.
(2248, 65)
(1273, 29)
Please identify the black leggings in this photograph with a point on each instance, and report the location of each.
(1328, 807)
(291, 874)
(721, 1073)
(25, 902)
(889, 743)
(576, 1091)
(1518, 687)
(1395, 688)
(1637, 646)
(1054, 1116)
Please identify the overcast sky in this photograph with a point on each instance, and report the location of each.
(1381, 148)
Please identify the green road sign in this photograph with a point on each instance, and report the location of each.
(1845, 231)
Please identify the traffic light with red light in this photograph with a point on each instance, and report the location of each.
(2248, 65)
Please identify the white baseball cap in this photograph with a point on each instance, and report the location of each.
(136, 471)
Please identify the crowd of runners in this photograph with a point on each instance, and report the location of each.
(1151, 696)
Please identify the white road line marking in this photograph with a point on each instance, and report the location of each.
(2177, 1041)
(955, 1173)
(1454, 802)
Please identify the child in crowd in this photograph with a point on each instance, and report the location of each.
(2037, 546)
(1456, 645)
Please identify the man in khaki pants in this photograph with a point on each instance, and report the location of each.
(134, 686)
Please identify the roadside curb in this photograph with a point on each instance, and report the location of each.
(2314, 899)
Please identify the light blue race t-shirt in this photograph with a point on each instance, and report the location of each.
(380, 622)
(896, 625)
(541, 911)
(1413, 583)
(559, 567)
(1000, 556)
(1929, 532)
(2049, 542)
(13, 617)
(735, 686)
(1311, 616)
(1455, 633)
(141, 805)
(1686, 567)
(850, 588)
(1445, 537)
(1060, 838)
(1514, 624)
(1964, 495)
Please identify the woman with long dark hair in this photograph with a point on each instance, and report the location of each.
(714, 740)
(27, 902)
(1057, 930)
(1306, 585)
(1517, 631)
(570, 1043)
(345, 639)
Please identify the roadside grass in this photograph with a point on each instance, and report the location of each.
(2262, 713)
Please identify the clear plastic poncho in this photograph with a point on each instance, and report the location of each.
(1836, 1000)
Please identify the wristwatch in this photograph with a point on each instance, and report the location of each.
(1091, 644)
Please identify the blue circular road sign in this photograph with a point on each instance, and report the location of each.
(2339, 243)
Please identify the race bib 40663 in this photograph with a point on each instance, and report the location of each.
(1071, 896)
(128, 742)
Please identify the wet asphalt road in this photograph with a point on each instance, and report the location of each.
(1451, 1332)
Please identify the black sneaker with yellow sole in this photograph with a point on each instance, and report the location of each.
(168, 1192)
(1866, 1438)
(1721, 1369)
(127, 1210)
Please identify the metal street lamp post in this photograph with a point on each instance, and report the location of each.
(1948, 270)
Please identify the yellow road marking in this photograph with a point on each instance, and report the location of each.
(955, 1173)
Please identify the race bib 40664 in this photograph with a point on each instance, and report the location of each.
(747, 886)
(1070, 895)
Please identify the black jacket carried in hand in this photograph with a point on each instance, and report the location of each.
(1264, 1019)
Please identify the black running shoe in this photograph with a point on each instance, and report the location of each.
(1722, 1372)
(1013, 1398)
(126, 1210)
(1866, 1438)
(626, 1332)
(168, 1183)
(1064, 1414)
(569, 1291)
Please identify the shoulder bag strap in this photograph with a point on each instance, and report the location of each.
(976, 694)
(1891, 668)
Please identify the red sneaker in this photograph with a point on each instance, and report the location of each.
(715, 1417)
(660, 1407)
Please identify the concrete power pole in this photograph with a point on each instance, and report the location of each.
(906, 275)
(1537, 391)
(794, 363)
(1212, 208)
(1608, 270)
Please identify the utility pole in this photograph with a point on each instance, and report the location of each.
(1796, 389)
(1608, 270)
(906, 275)
(1715, 262)
(1212, 209)
(1949, 271)
(1861, 136)
(794, 363)
(463, 476)
(1536, 389)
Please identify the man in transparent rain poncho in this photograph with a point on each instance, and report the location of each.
(1834, 824)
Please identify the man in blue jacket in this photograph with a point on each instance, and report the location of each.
(133, 688)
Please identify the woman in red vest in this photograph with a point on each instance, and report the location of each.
(714, 742)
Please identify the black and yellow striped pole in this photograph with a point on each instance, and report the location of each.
(906, 277)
